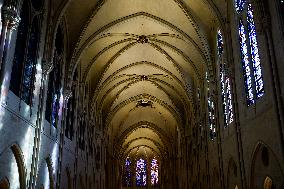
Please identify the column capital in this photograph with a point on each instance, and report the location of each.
(10, 16)
(67, 94)
(47, 67)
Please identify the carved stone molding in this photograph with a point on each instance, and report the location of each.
(142, 39)
(10, 16)
(47, 67)
(67, 94)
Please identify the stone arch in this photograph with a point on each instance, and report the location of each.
(13, 166)
(45, 175)
(262, 165)
(4, 183)
(232, 174)
(21, 165)
(268, 183)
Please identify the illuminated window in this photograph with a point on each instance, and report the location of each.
(240, 5)
(54, 91)
(225, 83)
(127, 173)
(26, 53)
(141, 177)
(154, 173)
(252, 71)
(211, 110)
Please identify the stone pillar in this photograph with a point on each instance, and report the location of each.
(10, 22)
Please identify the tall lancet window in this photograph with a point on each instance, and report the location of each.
(252, 71)
(154, 172)
(127, 173)
(141, 173)
(26, 51)
(211, 110)
(54, 91)
(225, 82)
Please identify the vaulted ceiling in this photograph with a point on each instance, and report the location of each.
(142, 60)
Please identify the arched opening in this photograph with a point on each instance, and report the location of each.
(20, 164)
(263, 162)
(141, 172)
(268, 183)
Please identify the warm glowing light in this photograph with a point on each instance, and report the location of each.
(154, 172)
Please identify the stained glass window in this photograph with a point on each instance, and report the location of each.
(20, 50)
(127, 173)
(211, 111)
(240, 5)
(30, 64)
(141, 177)
(224, 83)
(154, 172)
(257, 72)
(252, 72)
(26, 53)
(54, 92)
(220, 43)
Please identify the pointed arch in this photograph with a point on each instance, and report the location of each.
(18, 154)
(259, 161)
(268, 183)
(232, 173)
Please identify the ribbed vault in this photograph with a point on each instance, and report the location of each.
(142, 61)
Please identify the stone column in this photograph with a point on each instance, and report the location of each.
(10, 22)
(47, 67)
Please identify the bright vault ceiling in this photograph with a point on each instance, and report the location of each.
(141, 59)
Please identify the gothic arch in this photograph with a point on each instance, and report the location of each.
(268, 183)
(232, 173)
(264, 158)
(21, 165)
